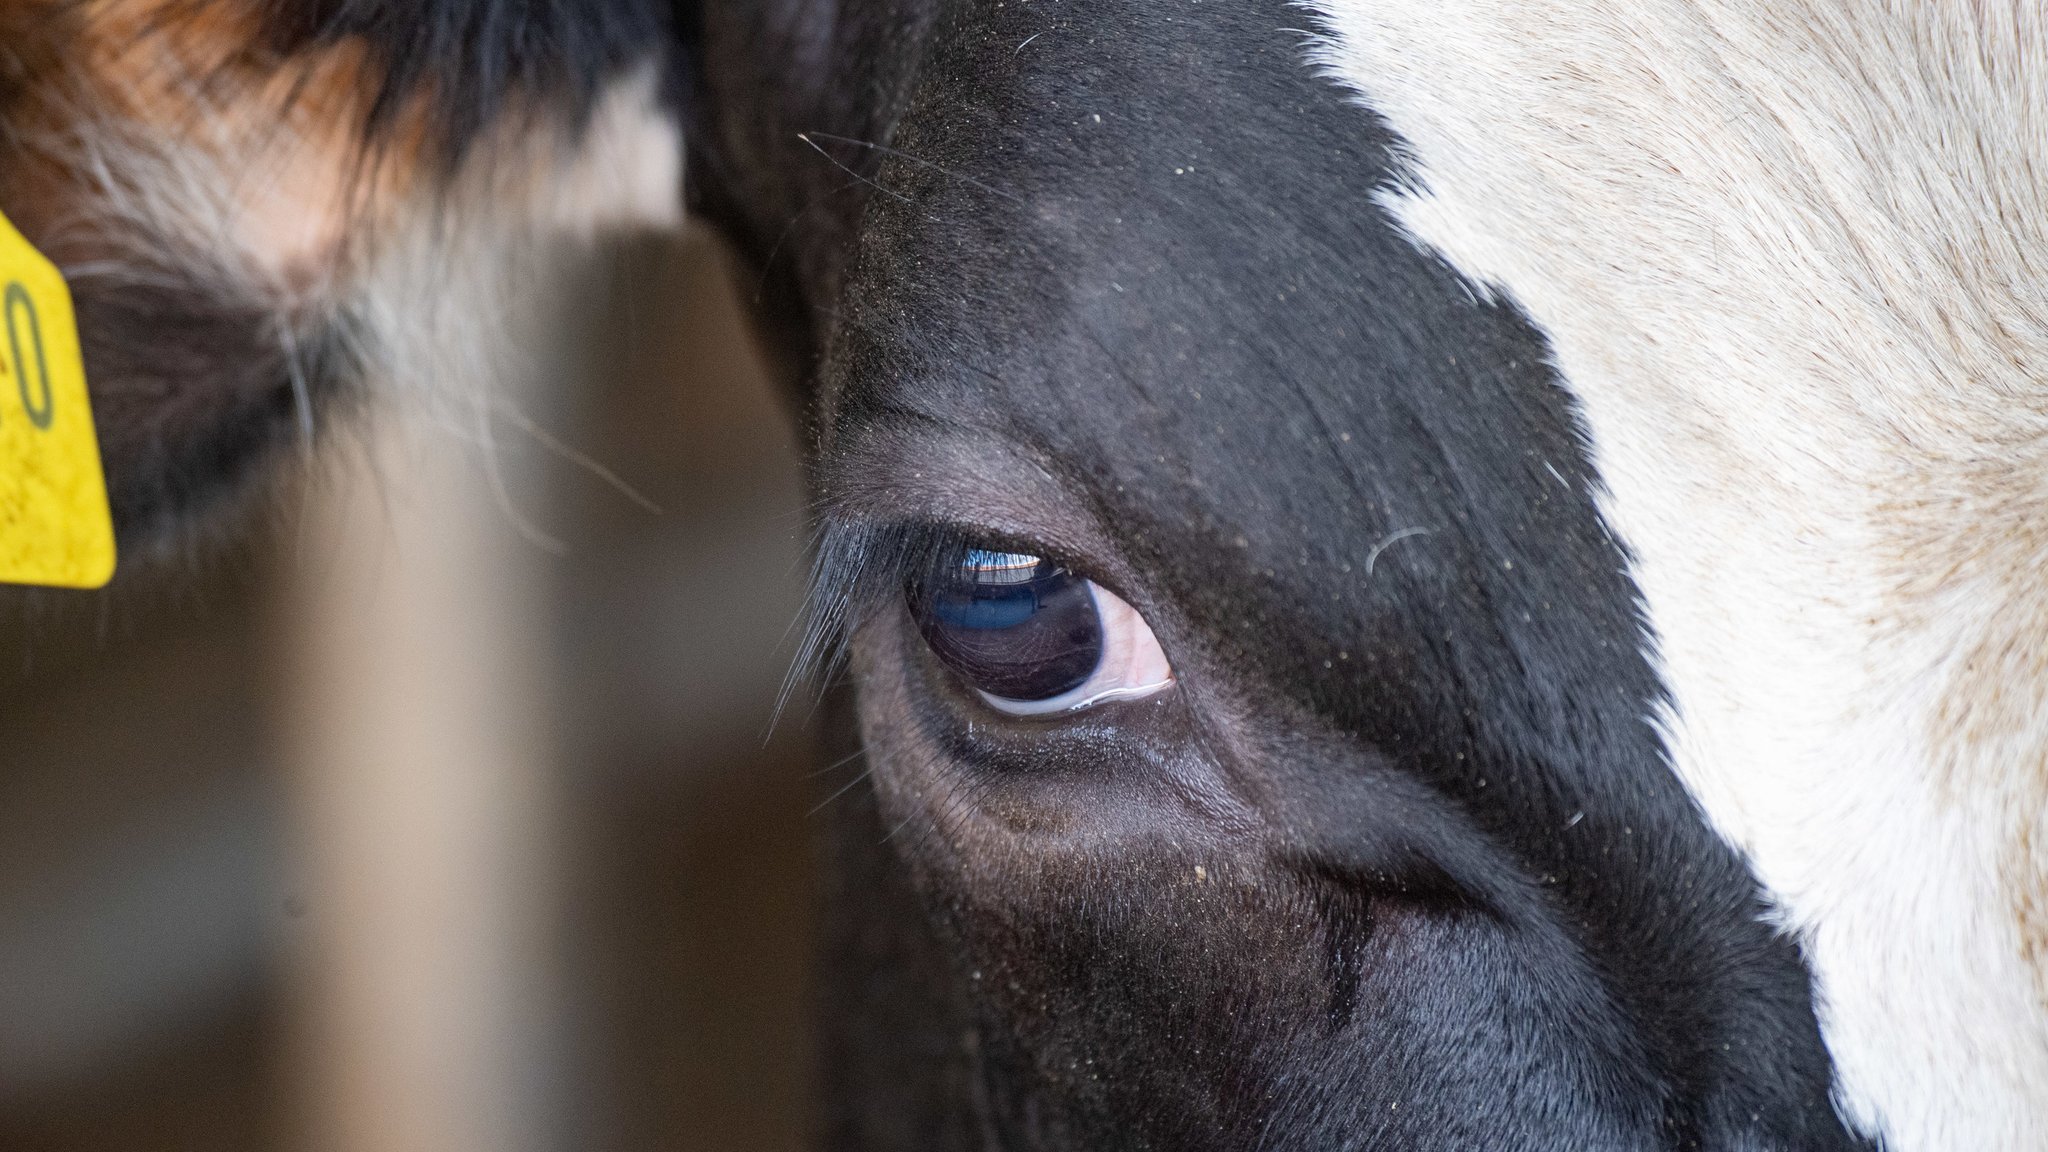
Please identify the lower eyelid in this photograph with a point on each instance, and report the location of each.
(1052, 708)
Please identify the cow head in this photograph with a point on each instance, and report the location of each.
(1248, 678)
(1548, 493)
(1409, 567)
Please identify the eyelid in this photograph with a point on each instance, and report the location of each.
(900, 550)
(943, 470)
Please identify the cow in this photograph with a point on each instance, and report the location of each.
(1417, 575)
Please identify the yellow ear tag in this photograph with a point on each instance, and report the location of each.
(55, 527)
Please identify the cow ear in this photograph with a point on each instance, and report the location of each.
(263, 206)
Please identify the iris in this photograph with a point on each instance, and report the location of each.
(1012, 625)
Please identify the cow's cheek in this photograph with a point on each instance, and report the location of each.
(1134, 960)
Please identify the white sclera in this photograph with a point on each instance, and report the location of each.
(1132, 664)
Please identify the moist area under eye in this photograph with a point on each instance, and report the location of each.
(1011, 625)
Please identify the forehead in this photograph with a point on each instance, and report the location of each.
(1142, 251)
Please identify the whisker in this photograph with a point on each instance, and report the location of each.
(842, 762)
(900, 826)
(582, 460)
(834, 161)
(843, 790)
(1391, 540)
(885, 150)
(774, 250)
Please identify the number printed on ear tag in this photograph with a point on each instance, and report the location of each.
(55, 527)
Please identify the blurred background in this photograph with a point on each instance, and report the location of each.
(442, 809)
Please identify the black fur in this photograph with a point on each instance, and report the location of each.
(758, 78)
(473, 60)
(1119, 292)
(195, 398)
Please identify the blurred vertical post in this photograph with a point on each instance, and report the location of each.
(420, 737)
(421, 734)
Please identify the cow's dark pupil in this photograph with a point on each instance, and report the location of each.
(1010, 624)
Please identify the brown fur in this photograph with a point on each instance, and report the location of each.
(229, 217)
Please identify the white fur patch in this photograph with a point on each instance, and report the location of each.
(437, 278)
(446, 302)
(279, 212)
(1792, 257)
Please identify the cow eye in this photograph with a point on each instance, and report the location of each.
(1033, 638)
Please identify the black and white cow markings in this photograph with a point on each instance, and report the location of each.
(1788, 258)
(1400, 861)
(1422, 576)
